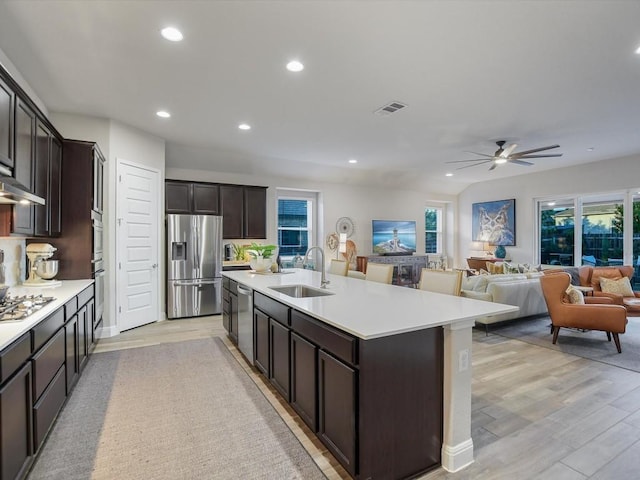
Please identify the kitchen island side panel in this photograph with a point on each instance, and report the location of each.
(400, 404)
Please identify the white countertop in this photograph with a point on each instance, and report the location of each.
(368, 309)
(11, 330)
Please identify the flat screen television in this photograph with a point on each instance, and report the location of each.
(394, 237)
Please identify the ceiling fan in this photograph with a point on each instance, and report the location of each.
(507, 155)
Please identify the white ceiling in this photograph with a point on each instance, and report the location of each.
(471, 72)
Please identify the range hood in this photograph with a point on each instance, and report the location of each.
(11, 191)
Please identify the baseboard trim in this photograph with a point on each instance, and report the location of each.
(457, 457)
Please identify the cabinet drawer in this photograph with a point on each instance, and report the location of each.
(85, 295)
(225, 294)
(334, 341)
(233, 286)
(225, 282)
(70, 308)
(46, 409)
(47, 362)
(14, 356)
(273, 308)
(45, 329)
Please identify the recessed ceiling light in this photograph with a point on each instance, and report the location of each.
(448, 174)
(353, 160)
(172, 34)
(163, 114)
(638, 50)
(591, 149)
(244, 126)
(295, 66)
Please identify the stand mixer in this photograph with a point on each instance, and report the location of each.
(41, 270)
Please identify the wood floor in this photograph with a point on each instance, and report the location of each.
(536, 413)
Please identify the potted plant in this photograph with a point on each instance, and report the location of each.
(261, 256)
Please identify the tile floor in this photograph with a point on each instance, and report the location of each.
(536, 413)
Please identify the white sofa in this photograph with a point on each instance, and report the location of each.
(521, 290)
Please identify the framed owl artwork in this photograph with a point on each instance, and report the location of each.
(495, 222)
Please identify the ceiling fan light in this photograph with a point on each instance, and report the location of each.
(500, 161)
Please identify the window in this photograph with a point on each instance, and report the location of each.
(296, 222)
(557, 233)
(433, 229)
(596, 230)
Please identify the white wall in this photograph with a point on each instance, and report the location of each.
(361, 204)
(607, 176)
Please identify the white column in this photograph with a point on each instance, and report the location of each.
(457, 445)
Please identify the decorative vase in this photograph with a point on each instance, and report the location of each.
(500, 252)
(260, 264)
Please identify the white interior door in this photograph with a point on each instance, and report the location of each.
(137, 281)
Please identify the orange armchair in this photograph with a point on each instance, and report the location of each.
(590, 277)
(595, 314)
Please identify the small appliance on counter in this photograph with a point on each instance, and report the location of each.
(41, 269)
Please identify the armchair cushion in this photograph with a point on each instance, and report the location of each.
(621, 286)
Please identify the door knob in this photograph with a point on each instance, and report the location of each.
(155, 265)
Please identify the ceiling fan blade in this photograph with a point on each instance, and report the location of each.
(544, 155)
(493, 166)
(507, 151)
(481, 154)
(475, 164)
(534, 150)
(463, 161)
(520, 162)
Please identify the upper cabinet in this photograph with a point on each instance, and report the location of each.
(7, 106)
(244, 211)
(31, 153)
(191, 198)
(243, 207)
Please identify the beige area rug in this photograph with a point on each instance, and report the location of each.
(173, 411)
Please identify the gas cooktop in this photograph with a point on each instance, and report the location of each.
(20, 307)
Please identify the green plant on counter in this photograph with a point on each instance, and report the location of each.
(264, 251)
(238, 251)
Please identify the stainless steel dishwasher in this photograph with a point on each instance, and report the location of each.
(245, 321)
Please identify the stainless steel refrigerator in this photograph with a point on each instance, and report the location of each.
(194, 265)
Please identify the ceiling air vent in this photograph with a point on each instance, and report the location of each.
(390, 108)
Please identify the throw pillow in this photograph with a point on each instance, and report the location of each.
(495, 267)
(575, 274)
(511, 268)
(621, 286)
(575, 296)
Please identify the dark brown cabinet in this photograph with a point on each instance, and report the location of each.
(304, 380)
(23, 215)
(255, 212)
(261, 341)
(7, 105)
(244, 211)
(47, 182)
(191, 198)
(80, 244)
(337, 384)
(16, 424)
(279, 357)
(230, 308)
(232, 210)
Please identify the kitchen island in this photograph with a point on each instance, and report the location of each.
(380, 373)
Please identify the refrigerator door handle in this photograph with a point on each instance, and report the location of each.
(196, 283)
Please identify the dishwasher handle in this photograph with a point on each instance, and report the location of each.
(242, 290)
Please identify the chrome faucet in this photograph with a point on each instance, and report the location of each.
(323, 281)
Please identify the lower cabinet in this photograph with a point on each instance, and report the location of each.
(304, 380)
(279, 357)
(261, 341)
(37, 373)
(230, 309)
(16, 432)
(337, 384)
(375, 404)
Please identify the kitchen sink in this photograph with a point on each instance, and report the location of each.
(301, 291)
